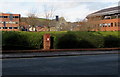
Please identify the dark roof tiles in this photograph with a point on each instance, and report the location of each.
(108, 9)
(111, 10)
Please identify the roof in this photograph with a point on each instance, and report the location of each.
(106, 11)
(9, 14)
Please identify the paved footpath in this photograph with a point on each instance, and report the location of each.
(52, 54)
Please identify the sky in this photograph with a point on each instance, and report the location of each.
(71, 10)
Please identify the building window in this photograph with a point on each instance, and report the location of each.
(9, 17)
(4, 27)
(1, 16)
(107, 17)
(111, 24)
(105, 25)
(15, 27)
(114, 16)
(13, 22)
(16, 16)
(10, 27)
(5, 16)
(10, 22)
(118, 15)
(16, 22)
(100, 25)
(115, 24)
(7, 22)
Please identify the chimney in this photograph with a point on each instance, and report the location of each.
(57, 18)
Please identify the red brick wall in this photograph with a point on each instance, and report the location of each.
(10, 24)
(46, 41)
(114, 27)
(111, 28)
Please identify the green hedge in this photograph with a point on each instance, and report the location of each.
(61, 40)
(21, 40)
(79, 40)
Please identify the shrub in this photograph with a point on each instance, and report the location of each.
(21, 40)
(60, 40)
(67, 41)
(79, 40)
(111, 41)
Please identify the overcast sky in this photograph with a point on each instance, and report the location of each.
(72, 10)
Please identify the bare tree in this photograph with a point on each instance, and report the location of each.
(32, 18)
(49, 15)
(49, 12)
(89, 25)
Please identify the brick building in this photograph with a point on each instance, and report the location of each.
(105, 19)
(9, 22)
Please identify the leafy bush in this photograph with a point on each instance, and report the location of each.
(60, 40)
(79, 40)
(67, 41)
(21, 40)
(111, 41)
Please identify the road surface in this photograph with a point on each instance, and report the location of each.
(105, 64)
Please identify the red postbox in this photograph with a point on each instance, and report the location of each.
(46, 41)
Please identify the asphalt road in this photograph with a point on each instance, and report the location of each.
(106, 64)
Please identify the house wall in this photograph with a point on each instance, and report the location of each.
(105, 24)
(112, 25)
(10, 25)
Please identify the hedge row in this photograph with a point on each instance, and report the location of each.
(61, 40)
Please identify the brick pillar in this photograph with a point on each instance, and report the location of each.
(46, 41)
(113, 24)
